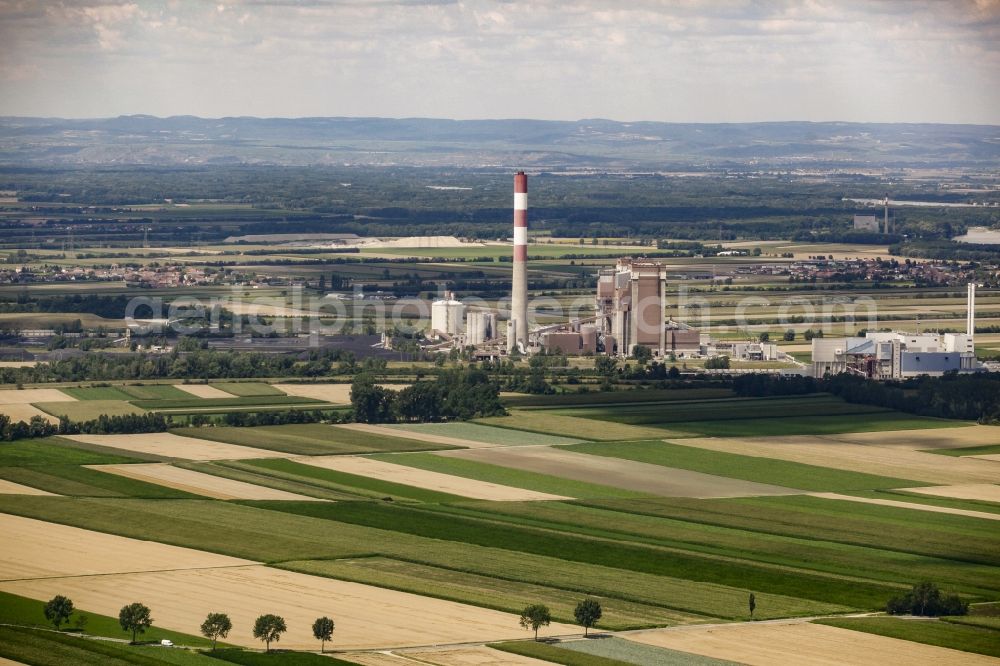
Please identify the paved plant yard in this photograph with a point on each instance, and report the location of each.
(914, 505)
(986, 492)
(835, 452)
(802, 644)
(204, 391)
(25, 396)
(627, 474)
(198, 483)
(169, 445)
(412, 476)
(11, 488)
(430, 438)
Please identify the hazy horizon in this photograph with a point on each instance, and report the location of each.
(713, 61)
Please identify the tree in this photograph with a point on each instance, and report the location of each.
(269, 628)
(323, 631)
(371, 403)
(535, 616)
(58, 610)
(926, 599)
(642, 354)
(135, 618)
(789, 335)
(587, 613)
(765, 337)
(753, 604)
(216, 626)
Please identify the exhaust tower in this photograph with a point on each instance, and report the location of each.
(517, 331)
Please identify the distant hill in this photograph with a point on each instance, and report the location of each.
(188, 140)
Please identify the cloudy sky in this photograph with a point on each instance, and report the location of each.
(681, 60)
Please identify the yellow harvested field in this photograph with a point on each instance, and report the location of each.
(26, 396)
(802, 644)
(913, 505)
(367, 617)
(8, 662)
(17, 364)
(35, 549)
(419, 436)
(931, 438)
(336, 393)
(24, 412)
(629, 474)
(419, 478)
(11, 488)
(203, 391)
(169, 445)
(836, 453)
(992, 457)
(198, 483)
(984, 492)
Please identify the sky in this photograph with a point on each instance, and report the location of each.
(680, 60)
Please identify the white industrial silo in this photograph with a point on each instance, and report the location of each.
(476, 327)
(446, 316)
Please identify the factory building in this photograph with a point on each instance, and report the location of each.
(630, 303)
(866, 223)
(571, 342)
(447, 317)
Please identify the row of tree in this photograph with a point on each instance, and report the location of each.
(39, 426)
(456, 394)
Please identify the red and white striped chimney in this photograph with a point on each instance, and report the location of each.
(518, 333)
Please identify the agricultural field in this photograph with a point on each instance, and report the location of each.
(308, 439)
(87, 410)
(484, 434)
(955, 634)
(169, 445)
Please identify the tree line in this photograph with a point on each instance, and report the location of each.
(457, 394)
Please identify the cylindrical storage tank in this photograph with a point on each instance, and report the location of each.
(476, 326)
(446, 317)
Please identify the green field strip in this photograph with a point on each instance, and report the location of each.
(982, 621)
(546, 423)
(554, 654)
(747, 468)
(618, 397)
(155, 392)
(310, 439)
(84, 482)
(27, 612)
(486, 434)
(487, 592)
(811, 425)
(979, 640)
(730, 409)
(238, 471)
(506, 476)
(88, 410)
(612, 647)
(231, 528)
(908, 531)
(984, 450)
(276, 658)
(39, 647)
(55, 451)
(632, 556)
(247, 389)
(880, 564)
(353, 484)
(97, 393)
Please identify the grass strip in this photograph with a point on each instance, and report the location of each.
(247, 388)
(929, 632)
(54, 451)
(83, 482)
(612, 647)
(984, 450)
(556, 655)
(278, 658)
(309, 439)
(209, 403)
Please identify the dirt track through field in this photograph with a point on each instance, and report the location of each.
(36, 549)
(986, 492)
(419, 436)
(11, 488)
(419, 478)
(198, 483)
(803, 644)
(927, 439)
(204, 391)
(338, 394)
(837, 454)
(627, 474)
(169, 445)
(25, 396)
(912, 505)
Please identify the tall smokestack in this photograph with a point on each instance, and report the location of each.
(886, 213)
(970, 315)
(519, 286)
